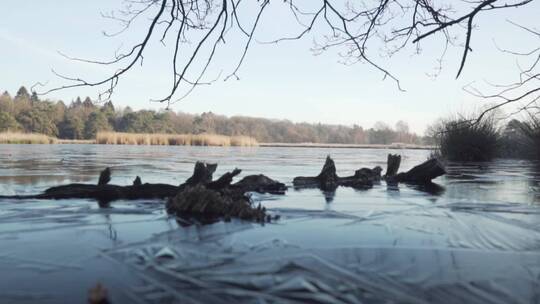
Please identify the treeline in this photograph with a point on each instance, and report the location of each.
(82, 119)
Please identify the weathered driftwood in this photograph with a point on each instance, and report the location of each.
(328, 180)
(260, 183)
(104, 177)
(210, 205)
(421, 174)
(202, 174)
(364, 178)
(392, 165)
(208, 201)
(199, 196)
(104, 192)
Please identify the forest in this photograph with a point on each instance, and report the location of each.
(83, 118)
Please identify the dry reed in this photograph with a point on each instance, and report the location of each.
(25, 138)
(204, 139)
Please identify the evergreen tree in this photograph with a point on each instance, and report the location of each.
(22, 94)
(34, 97)
(77, 103)
(71, 127)
(97, 121)
(87, 103)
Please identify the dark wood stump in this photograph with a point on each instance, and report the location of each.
(392, 165)
(423, 173)
(328, 180)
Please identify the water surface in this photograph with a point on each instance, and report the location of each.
(473, 237)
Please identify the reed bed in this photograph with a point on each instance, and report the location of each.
(204, 139)
(25, 138)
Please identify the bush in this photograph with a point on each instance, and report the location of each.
(521, 139)
(531, 133)
(465, 139)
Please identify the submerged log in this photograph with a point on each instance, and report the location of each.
(328, 180)
(423, 173)
(209, 205)
(392, 165)
(362, 179)
(105, 193)
(198, 196)
(104, 177)
(260, 183)
(202, 174)
(224, 181)
(209, 201)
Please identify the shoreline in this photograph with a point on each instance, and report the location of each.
(347, 146)
(203, 139)
(260, 145)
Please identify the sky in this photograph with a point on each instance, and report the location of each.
(283, 81)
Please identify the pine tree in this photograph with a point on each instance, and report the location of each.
(87, 103)
(34, 97)
(22, 94)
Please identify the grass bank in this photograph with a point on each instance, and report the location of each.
(118, 138)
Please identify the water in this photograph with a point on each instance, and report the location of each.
(474, 238)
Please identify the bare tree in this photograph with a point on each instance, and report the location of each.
(402, 129)
(525, 91)
(362, 31)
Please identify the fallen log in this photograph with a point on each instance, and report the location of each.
(328, 180)
(209, 205)
(421, 174)
(104, 177)
(260, 183)
(392, 165)
(364, 178)
(199, 196)
(224, 181)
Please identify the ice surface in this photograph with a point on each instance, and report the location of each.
(472, 238)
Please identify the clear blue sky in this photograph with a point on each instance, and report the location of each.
(282, 81)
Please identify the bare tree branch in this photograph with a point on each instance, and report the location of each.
(356, 28)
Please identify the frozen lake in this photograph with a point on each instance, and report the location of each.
(473, 237)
